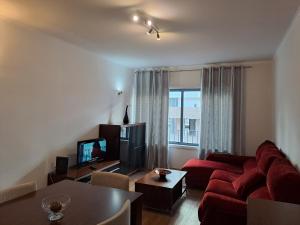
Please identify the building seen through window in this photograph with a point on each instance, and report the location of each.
(184, 116)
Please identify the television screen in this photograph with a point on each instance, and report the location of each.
(90, 151)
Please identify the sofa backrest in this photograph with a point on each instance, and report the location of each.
(262, 147)
(283, 181)
(267, 157)
(266, 153)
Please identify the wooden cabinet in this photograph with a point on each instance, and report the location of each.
(125, 143)
(111, 133)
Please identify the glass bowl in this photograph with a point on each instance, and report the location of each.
(55, 205)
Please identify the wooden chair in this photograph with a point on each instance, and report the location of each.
(122, 217)
(17, 191)
(113, 180)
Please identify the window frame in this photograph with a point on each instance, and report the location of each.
(182, 90)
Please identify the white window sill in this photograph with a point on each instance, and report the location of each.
(187, 147)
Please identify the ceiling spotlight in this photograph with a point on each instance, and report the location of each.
(157, 36)
(150, 31)
(135, 18)
(146, 22)
(149, 23)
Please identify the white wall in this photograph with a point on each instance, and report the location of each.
(185, 79)
(52, 94)
(258, 108)
(287, 92)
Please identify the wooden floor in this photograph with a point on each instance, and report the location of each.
(185, 211)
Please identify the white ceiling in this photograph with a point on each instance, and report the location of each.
(193, 31)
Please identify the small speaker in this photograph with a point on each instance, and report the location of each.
(72, 160)
(62, 164)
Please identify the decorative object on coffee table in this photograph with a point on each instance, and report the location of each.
(126, 119)
(161, 195)
(55, 205)
(162, 173)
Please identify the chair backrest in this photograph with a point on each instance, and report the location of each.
(113, 180)
(122, 217)
(17, 191)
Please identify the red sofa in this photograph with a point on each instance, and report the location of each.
(229, 180)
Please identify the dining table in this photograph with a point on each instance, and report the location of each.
(90, 205)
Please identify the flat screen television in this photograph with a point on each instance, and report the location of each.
(90, 151)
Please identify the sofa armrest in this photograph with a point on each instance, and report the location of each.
(220, 208)
(228, 158)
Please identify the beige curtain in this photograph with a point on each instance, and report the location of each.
(222, 110)
(151, 106)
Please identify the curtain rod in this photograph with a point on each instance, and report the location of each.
(198, 69)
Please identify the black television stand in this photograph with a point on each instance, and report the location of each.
(82, 174)
(93, 167)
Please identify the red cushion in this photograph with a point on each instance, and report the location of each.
(283, 182)
(261, 193)
(221, 209)
(266, 159)
(265, 145)
(249, 164)
(222, 187)
(245, 183)
(224, 175)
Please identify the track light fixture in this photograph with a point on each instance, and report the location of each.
(150, 31)
(157, 36)
(135, 18)
(147, 23)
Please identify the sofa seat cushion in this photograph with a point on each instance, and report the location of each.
(266, 159)
(283, 182)
(214, 204)
(224, 175)
(249, 164)
(247, 182)
(261, 193)
(199, 171)
(222, 187)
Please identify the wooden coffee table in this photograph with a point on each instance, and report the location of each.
(161, 194)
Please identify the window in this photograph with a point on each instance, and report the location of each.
(184, 116)
(174, 102)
